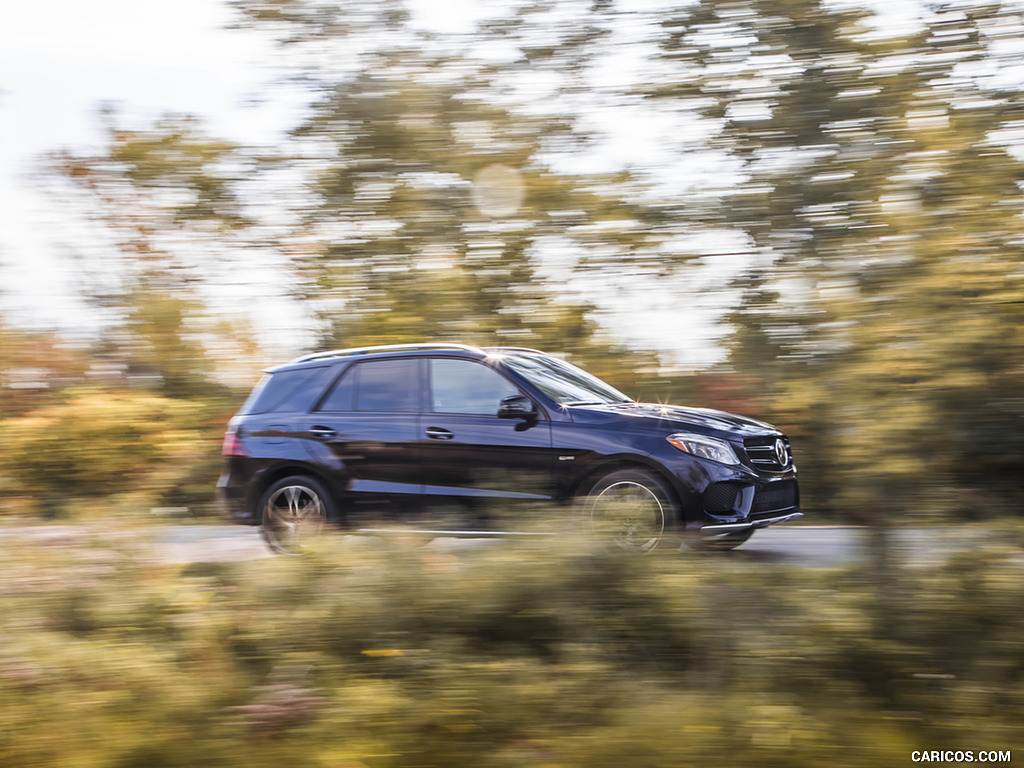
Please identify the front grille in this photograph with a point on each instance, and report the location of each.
(720, 497)
(764, 454)
(774, 497)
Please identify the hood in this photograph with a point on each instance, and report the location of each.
(703, 420)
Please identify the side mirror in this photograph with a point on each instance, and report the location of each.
(516, 407)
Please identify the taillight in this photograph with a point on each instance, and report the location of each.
(233, 445)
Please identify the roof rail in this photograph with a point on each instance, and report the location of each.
(516, 349)
(382, 348)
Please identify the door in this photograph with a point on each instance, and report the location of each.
(364, 431)
(467, 451)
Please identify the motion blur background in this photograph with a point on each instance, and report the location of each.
(809, 212)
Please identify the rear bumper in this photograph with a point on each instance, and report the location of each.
(232, 500)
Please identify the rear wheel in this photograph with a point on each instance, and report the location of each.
(630, 510)
(293, 511)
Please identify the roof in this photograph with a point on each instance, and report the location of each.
(385, 348)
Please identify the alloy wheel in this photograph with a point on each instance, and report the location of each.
(628, 515)
(292, 515)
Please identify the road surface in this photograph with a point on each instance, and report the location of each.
(810, 546)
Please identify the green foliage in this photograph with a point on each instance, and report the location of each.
(155, 342)
(384, 654)
(168, 211)
(171, 173)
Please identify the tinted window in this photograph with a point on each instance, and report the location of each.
(387, 385)
(292, 390)
(461, 386)
(340, 396)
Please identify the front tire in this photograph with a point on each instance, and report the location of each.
(630, 510)
(293, 511)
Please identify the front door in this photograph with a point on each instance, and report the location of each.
(467, 451)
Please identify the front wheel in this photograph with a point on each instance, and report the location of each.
(293, 511)
(630, 510)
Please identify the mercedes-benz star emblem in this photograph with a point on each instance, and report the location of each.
(780, 453)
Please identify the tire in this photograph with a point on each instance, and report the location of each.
(721, 543)
(630, 510)
(292, 511)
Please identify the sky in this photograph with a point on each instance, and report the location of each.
(60, 60)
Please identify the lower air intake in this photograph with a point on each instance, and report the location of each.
(719, 498)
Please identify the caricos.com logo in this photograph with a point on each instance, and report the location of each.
(959, 756)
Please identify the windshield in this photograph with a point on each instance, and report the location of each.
(562, 381)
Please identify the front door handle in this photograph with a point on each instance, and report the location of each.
(322, 432)
(439, 433)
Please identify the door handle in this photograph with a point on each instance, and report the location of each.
(324, 432)
(439, 433)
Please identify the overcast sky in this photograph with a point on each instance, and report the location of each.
(60, 60)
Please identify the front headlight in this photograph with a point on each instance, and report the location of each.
(704, 447)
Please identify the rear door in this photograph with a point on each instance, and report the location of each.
(364, 430)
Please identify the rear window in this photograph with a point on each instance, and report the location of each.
(388, 385)
(292, 390)
(376, 385)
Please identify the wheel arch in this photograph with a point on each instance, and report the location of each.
(594, 471)
(270, 476)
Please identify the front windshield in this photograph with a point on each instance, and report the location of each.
(562, 381)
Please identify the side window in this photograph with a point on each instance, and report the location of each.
(462, 386)
(387, 385)
(340, 396)
(293, 390)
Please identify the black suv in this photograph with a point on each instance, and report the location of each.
(330, 436)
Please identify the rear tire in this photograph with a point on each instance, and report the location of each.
(630, 510)
(293, 511)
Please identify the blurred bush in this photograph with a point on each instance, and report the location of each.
(540, 653)
(93, 443)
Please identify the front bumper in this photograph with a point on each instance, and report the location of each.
(731, 498)
(751, 500)
(718, 529)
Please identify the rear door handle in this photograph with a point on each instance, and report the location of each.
(324, 432)
(439, 433)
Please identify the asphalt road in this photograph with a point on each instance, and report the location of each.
(800, 545)
(809, 546)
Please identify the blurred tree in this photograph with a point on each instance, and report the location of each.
(167, 202)
(883, 315)
(416, 200)
(434, 210)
